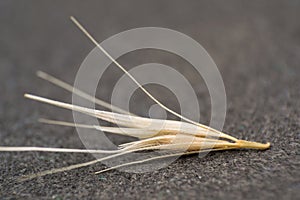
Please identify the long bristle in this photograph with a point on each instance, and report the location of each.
(56, 150)
(76, 166)
(79, 93)
(76, 22)
(133, 132)
(156, 125)
(160, 157)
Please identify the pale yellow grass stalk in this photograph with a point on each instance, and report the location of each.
(177, 137)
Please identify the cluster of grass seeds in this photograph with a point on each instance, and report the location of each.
(178, 137)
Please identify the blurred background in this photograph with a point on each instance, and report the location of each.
(255, 44)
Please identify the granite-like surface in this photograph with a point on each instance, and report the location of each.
(256, 45)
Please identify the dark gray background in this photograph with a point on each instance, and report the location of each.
(256, 46)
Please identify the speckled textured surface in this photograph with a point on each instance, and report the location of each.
(256, 47)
